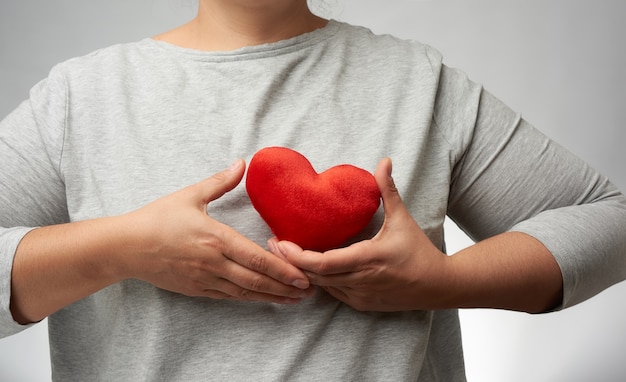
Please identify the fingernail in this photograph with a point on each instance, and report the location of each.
(301, 284)
(279, 247)
(283, 247)
(272, 247)
(392, 184)
(235, 165)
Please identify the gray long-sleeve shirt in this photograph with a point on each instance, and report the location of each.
(109, 132)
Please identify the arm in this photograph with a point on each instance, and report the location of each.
(400, 268)
(549, 229)
(512, 178)
(171, 243)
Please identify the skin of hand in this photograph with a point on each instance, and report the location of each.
(171, 243)
(381, 274)
(193, 254)
(400, 269)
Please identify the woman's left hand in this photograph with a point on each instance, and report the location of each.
(399, 269)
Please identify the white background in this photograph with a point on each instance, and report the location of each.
(560, 63)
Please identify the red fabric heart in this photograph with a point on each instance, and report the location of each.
(316, 211)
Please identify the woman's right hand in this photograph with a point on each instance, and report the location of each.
(184, 250)
(171, 243)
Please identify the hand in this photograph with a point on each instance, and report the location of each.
(184, 250)
(399, 269)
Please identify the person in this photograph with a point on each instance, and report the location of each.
(150, 269)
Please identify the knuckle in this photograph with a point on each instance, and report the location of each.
(245, 294)
(322, 268)
(214, 242)
(258, 263)
(257, 283)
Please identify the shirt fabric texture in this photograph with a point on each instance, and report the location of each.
(109, 132)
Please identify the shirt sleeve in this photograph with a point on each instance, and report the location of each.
(510, 177)
(32, 191)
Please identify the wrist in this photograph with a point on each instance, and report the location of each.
(446, 287)
(132, 243)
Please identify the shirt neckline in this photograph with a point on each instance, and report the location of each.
(251, 52)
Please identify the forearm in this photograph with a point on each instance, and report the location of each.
(511, 271)
(170, 243)
(57, 265)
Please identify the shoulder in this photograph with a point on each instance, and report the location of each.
(103, 63)
(103, 72)
(389, 47)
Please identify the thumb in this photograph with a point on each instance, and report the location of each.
(390, 195)
(220, 183)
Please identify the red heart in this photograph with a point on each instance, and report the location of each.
(315, 211)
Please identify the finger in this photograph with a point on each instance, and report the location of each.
(272, 244)
(338, 261)
(348, 280)
(280, 293)
(250, 280)
(390, 195)
(252, 257)
(217, 185)
(225, 289)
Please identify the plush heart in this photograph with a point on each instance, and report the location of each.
(316, 211)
